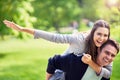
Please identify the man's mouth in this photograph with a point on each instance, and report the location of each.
(106, 60)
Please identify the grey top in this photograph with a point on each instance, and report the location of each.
(77, 45)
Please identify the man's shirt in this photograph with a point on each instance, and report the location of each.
(73, 67)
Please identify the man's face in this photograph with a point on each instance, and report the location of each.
(106, 55)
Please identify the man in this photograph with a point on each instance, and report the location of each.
(75, 69)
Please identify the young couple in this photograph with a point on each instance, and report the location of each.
(80, 43)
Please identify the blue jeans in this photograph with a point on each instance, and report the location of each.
(58, 75)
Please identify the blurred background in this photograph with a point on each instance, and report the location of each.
(21, 58)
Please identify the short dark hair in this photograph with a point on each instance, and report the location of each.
(112, 43)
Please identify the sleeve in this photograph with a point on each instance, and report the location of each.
(105, 78)
(53, 37)
(57, 62)
(106, 71)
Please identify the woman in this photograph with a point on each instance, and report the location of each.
(79, 43)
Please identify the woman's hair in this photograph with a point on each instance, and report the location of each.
(92, 48)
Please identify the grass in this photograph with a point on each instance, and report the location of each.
(27, 60)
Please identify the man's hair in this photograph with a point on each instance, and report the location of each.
(112, 43)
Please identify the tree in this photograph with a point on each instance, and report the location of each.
(18, 11)
(56, 13)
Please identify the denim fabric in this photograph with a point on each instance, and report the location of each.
(58, 75)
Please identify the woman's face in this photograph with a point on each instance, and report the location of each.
(100, 36)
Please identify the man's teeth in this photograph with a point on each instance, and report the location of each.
(105, 60)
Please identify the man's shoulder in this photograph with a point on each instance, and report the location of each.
(71, 56)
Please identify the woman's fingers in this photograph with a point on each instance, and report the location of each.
(86, 55)
(7, 23)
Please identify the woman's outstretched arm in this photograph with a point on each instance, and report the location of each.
(53, 37)
(17, 27)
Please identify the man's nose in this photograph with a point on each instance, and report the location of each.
(109, 57)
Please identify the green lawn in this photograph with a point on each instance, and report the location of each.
(27, 60)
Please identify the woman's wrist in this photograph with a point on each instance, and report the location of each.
(95, 67)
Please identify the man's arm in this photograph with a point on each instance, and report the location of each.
(57, 62)
(48, 76)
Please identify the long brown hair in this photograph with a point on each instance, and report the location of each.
(92, 48)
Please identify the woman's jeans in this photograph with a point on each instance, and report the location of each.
(58, 75)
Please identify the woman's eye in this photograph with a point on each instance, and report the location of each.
(105, 35)
(98, 33)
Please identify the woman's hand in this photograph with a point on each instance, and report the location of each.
(86, 59)
(12, 25)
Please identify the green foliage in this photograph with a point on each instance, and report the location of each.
(115, 33)
(18, 11)
(116, 70)
(89, 9)
(54, 14)
(115, 16)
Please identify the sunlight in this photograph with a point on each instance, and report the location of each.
(112, 2)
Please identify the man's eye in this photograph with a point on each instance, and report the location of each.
(113, 55)
(107, 52)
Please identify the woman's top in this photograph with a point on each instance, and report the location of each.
(77, 45)
(76, 41)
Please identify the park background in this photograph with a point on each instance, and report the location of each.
(24, 58)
